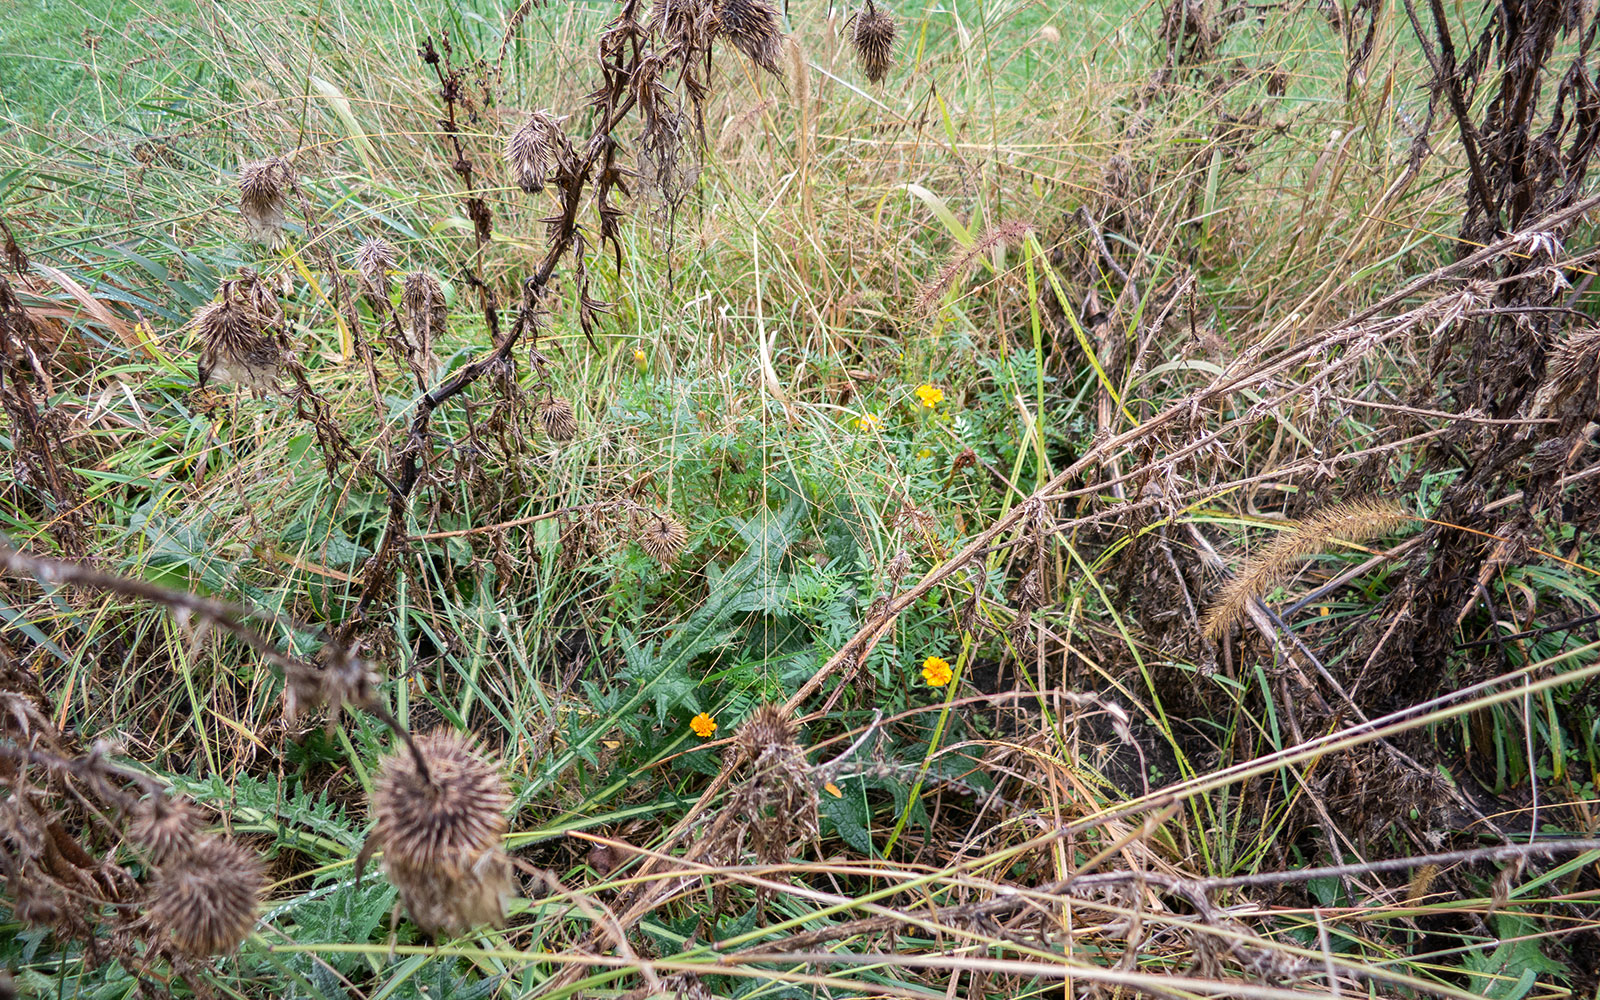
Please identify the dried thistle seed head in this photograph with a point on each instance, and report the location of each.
(205, 902)
(235, 345)
(769, 728)
(528, 152)
(441, 833)
(423, 299)
(662, 538)
(165, 827)
(873, 39)
(753, 28)
(338, 679)
(264, 187)
(374, 261)
(560, 423)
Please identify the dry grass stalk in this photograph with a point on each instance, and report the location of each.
(1000, 234)
(1351, 522)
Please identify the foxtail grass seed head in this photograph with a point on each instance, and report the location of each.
(166, 828)
(560, 423)
(873, 39)
(441, 834)
(264, 187)
(205, 902)
(426, 314)
(374, 261)
(235, 345)
(662, 538)
(753, 28)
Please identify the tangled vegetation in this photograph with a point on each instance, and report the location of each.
(712, 498)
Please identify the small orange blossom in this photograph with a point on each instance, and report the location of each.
(703, 725)
(936, 671)
(931, 395)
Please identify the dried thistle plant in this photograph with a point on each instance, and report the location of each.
(662, 537)
(425, 310)
(1352, 522)
(538, 151)
(873, 38)
(557, 417)
(166, 828)
(774, 806)
(753, 28)
(374, 260)
(237, 342)
(205, 901)
(440, 828)
(264, 187)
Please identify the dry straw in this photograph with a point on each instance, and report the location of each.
(440, 831)
(204, 902)
(1352, 522)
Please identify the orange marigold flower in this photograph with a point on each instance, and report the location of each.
(931, 395)
(869, 422)
(703, 725)
(936, 671)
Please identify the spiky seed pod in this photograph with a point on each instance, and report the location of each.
(165, 827)
(235, 345)
(423, 298)
(873, 39)
(753, 28)
(264, 187)
(768, 729)
(374, 261)
(560, 423)
(205, 902)
(529, 150)
(662, 538)
(441, 834)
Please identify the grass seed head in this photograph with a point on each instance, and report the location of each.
(441, 834)
(873, 39)
(374, 260)
(205, 902)
(560, 423)
(753, 28)
(165, 827)
(264, 187)
(662, 538)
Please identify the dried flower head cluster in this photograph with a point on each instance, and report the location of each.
(873, 38)
(440, 833)
(537, 151)
(775, 805)
(425, 310)
(338, 680)
(374, 260)
(237, 342)
(205, 901)
(559, 422)
(753, 28)
(166, 828)
(662, 537)
(264, 187)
